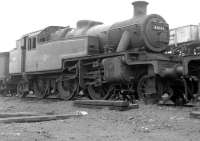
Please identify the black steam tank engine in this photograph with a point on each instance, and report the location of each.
(124, 60)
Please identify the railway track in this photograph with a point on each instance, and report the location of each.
(54, 98)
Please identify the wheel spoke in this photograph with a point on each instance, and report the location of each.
(146, 86)
(98, 93)
(21, 92)
(149, 84)
(113, 93)
(40, 89)
(67, 89)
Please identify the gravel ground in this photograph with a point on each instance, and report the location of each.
(148, 123)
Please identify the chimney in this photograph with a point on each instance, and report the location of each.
(140, 8)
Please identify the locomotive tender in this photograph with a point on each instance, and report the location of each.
(124, 60)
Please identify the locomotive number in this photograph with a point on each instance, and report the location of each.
(159, 26)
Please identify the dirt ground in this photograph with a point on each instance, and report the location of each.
(148, 123)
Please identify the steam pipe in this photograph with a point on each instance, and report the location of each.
(124, 42)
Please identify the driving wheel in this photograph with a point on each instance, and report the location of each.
(22, 89)
(67, 88)
(98, 92)
(150, 87)
(40, 88)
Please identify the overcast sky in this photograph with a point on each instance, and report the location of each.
(19, 17)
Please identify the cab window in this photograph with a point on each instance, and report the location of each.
(31, 43)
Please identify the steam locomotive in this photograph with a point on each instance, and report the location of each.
(124, 60)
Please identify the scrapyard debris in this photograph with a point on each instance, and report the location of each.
(83, 113)
(10, 134)
(41, 118)
(112, 105)
(131, 118)
(101, 103)
(176, 118)
(19, 114)
(195, 114)
(166, 102)
(145, 129)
